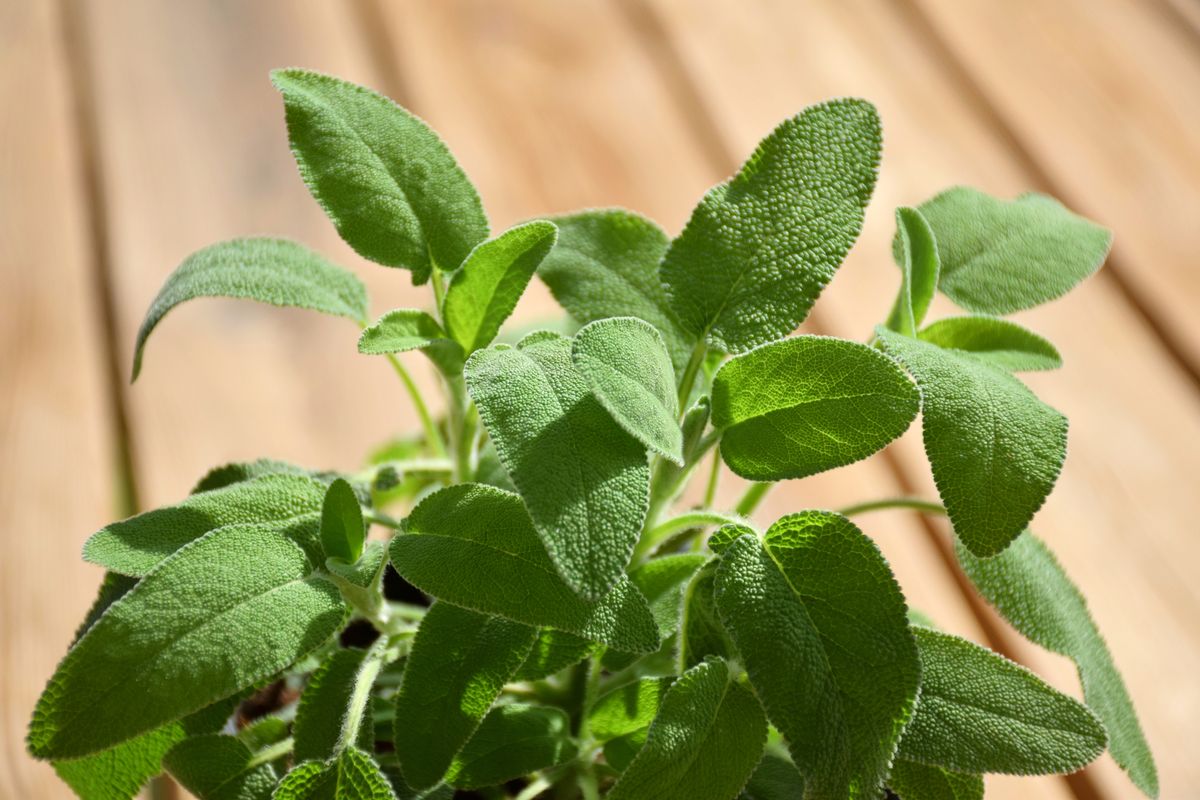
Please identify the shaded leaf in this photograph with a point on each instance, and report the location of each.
(701, 632)
(996, 341)
(513, 740)
(354, 775)
(405, 329)
(323, 707)
(219, 767)
(552, 652)
(913, 781)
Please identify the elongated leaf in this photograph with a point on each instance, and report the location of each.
(219, 767)
(392, 189)
(820, 624)
(775, 778)
(405, 329)
(759, 249)
(605, 264)
(584, 479)
(804, 405)
(996, 341)
(996, 450)
(227, 610)
(980, 712)
(626, 363)
(919, 270)
(553, 651)
(701, 632)
(913, 781)
(323, 707)
(460, 661)
(513, 740)
(472, 544)
(1029, 588)
(274, 271)
(485, 290)
(342, 528)
(662, 581)
(354, 775)
(704, 743)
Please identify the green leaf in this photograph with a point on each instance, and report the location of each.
(342, 528)
(405, 329)
(1029, 588)
(224, 612)
(761, 247)
(775, 778)
(323, 707)
(996, 450)
(390, 185)
(275, 271)
(136, 545)
(459, 662)
(219, 767)
(513, 740)
(701, 633)
(605, 264)
(912, 781)
(1001, 256)
(626, 363)
(354, 775)
(919, 270)
(553, 651)
(995, 341)
(484, 292)
(807, 404)
(820, 625)
(620, 719)
(584, 479)
(980, 712)
(662, 581)
(704, 743)
(727, 534)
(471, 544)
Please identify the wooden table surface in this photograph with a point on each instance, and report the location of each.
(136, 131)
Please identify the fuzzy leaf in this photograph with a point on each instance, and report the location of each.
(323, 707)
(1029, 588)
(820, 625)
(553, 651)
(513, 740)
(761, 247)
(808, 404)
(354, 775)
(775, 778)
(621, 718)
(996, 450)
(919, 269)
(998, 342)
(390, 185)
(405, 329)
(342, 529)
(219, 767)
(913, 781)
(584, 479)
(471, 544)
(701, 633)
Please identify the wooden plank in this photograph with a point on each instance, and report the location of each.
(57, 460)
(1120, 514)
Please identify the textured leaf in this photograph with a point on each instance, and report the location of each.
(662, 581)
(912, 781)
(807, 404)
(1028, 587)
(226, 611)
(980, 712)
(135, 546)
(342, 528)
(704, 743)
(353, 776)
(405, 329)
(605, 264)
(996, 450)
(775, 778)
(323, 707)
(620, 719)
(474, 545)
(998, 342)
(553, 651)
(392, 189)
(726, 535)
(120, 772)
(701, 632)
(759, 249)
(1001, 256)
(820, 625)
(919, 269)
(513, 740)
(626, 363)
(584, 480)
(275, 271)
(484, 292)
(219, 767)
(460, 661)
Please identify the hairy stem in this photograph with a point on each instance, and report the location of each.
(714, 475)
(750, 500)
(270, 753)
(689, 375)
(432, 435)
(692, 519)
(360, 697)
(914, 503)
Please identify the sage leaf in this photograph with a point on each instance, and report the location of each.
(220, 767)
(552, 652)
(484, 291)
(406, 329)
(759, 249)
(995, 341)
(913, 781)
(513, 740)
(704, 743)
(323, 706)
(627, 709)
(808, 404)
(471, 544)
(980, 712)
(727, 534)
(996, 450)
(775, 778)
(274, 271)
(342, 528)
(628, 368)
(389, 184)
(701, 633)
(225, 611)
(353, 775)
(585, 480)
(661, 581)
(820, 625)
(1029, 588)
(1002, 256)
(919, 268)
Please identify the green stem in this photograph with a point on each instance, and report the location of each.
(462, 436)
(439, 289)
(689, 375)
(914, 503)
(539, 785)
(750, 500)
(714, 475)
(360, 697)
(270, 753)
(692, 519)
(432, 435)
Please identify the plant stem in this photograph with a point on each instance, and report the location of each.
(750, 500)
(692, 519)
(714, 475)
(270, 753)
(432, 435)
(462, 437)
(360, 697)
(914, 503)
(689, 375)
(539, 785)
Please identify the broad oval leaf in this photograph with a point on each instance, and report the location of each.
(323, 706)
(996, 341)
(342, 528)
(759, 249)
(807, 404)
(585, 480)
(275, 271)
(820, 624)
(513, 740)
(405, 329)
(473, 545)
(390, 185)
(919, 268)
(353, 775)
(913, 781)
(980, 712)
(995, 449)
(220, 767)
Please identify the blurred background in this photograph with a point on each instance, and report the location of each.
(133, 132)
